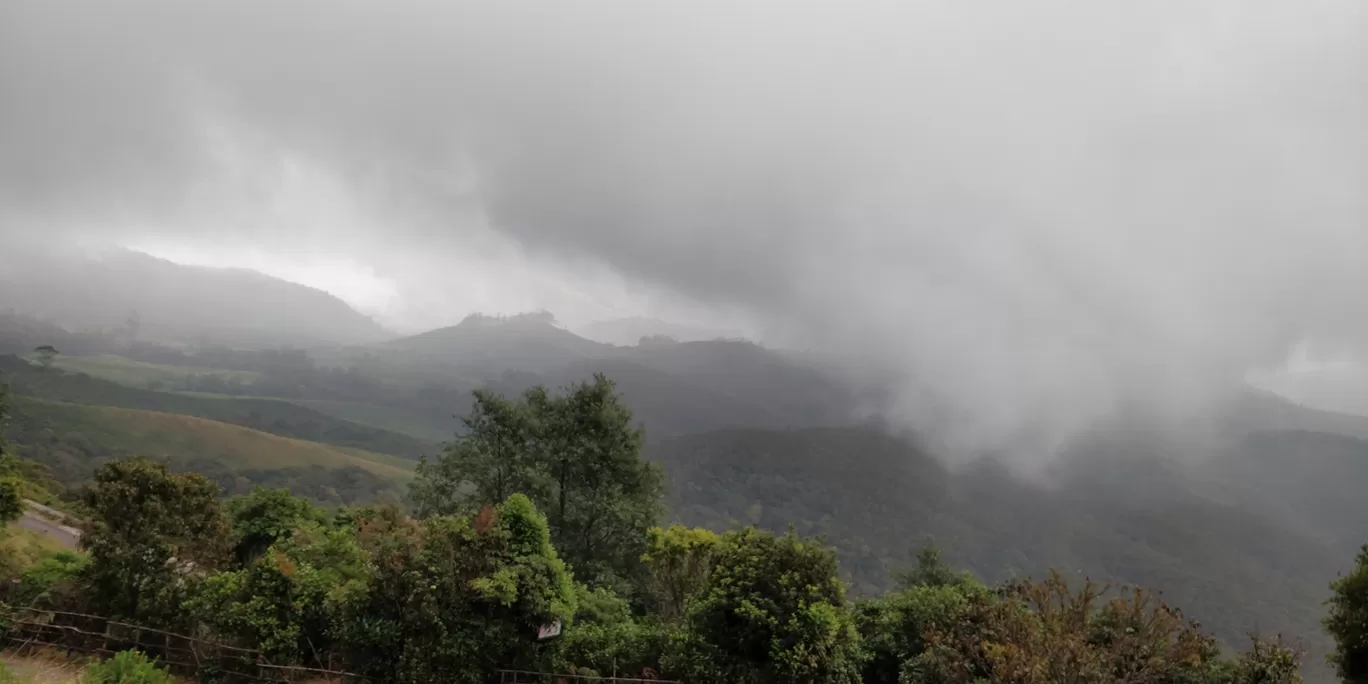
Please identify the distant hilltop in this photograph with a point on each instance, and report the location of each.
(632, 330)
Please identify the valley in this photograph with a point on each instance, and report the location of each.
(1244, 537)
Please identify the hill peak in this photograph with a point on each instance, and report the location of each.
(530, 319)
(175, 302)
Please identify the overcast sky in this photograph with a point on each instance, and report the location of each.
(1036, 209)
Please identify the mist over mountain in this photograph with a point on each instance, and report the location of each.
(628, 331)
(1097, 206)
(1249, 491)
(1061, 284)
(527, 341)
(153, 299)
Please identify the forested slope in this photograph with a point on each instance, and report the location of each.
(749, 435)
(1231, 565)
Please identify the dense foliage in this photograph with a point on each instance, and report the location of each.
(463, 589)
(679, 561)
(150, 531)
(772, 610)
(126, 667)
(11, 485)
(1348, 622)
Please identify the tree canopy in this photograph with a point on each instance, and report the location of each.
(772, 610)
(546, 514)
(576, 455)
(148, 530)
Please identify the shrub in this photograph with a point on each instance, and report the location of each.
(51, 583)
(605, 639)
(772, 610)
(126, 667)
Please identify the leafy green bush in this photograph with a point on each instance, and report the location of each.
(263, 516)
(1348, 621)
(285, 603)
(51, 583)
(451, 599)
(893, 627)
(126, 667)
(678, 560)
(147, 527)
(606, 640)
(1045, 632)
(11, 498)
(772, 610)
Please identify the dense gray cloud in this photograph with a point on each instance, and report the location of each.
(1027, 211)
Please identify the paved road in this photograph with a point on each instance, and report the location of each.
(66, 536)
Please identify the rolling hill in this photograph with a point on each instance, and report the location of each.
(1243, 528)
(674, 388)
(525, 342)
(71, 439)
(154, 299)
(267, 414)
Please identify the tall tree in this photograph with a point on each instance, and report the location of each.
(148, 530)
(931, 571)
(46, 355)
(607, 497)
(679, 560)
(500, 454)
(1348, 622)
(577, 455)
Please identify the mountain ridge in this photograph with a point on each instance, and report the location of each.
(149, 298)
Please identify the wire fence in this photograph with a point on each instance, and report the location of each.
(524, 677)
(35, 629)
(31, 630)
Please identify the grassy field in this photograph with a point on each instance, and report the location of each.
(177, 436)
(142, 374)
(385, 418)
(28, 545)
(276, 416)
(42, 667)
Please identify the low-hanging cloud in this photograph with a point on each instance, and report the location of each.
(1021, 214)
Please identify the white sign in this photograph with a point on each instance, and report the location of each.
(548, 631)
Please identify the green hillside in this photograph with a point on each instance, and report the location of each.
(1244, 539)
(72, 439)
(144, 374)
(429, 428)
(267, 414)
